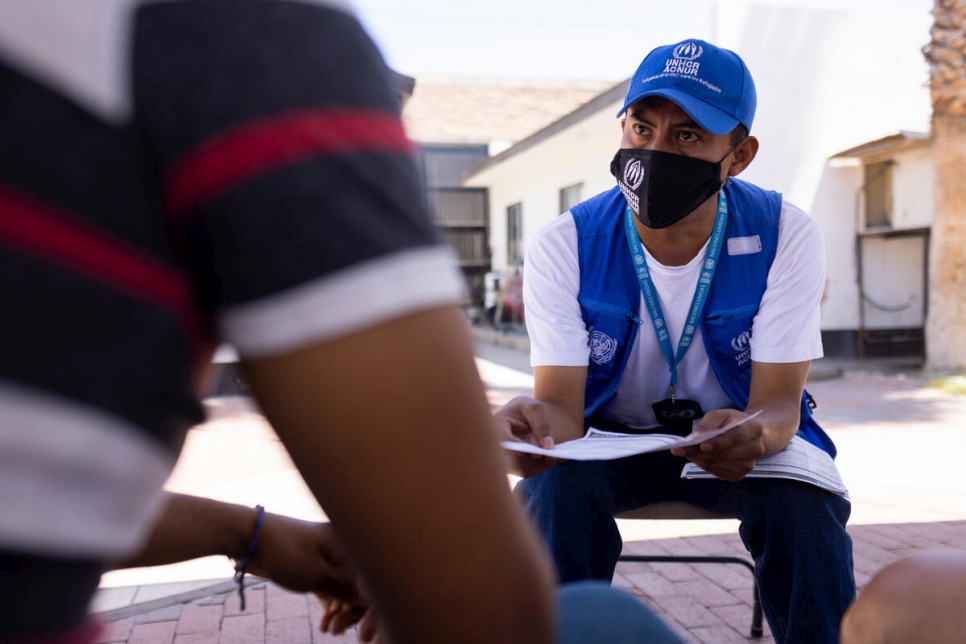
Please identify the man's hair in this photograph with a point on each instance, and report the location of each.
(738, 133)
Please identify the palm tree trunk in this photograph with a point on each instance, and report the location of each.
(946, 322)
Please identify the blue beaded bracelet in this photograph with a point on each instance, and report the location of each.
(242, 566)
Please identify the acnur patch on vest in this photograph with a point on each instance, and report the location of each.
(744, 245)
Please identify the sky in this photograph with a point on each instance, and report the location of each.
(559, 39)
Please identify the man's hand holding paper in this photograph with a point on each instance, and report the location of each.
(728, 455)
(598, 445)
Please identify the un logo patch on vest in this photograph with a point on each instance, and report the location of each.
(603, 348)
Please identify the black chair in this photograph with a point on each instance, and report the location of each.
(679, 510)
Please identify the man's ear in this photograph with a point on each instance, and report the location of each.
(745, 153)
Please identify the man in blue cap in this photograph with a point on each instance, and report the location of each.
(684, 293)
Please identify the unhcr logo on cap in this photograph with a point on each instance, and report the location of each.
(684, 59)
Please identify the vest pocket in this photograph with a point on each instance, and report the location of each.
(728, 317)
(610, 331)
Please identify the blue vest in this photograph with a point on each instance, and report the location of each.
(610, 295)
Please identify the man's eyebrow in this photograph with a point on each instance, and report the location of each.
(687, 123)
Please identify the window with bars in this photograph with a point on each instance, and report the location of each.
(514, 234)
(570, 196)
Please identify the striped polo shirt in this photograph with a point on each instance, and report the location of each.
(174, 175)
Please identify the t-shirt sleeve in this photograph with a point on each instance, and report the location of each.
(287, 181)
(551, 283)
(787, 327)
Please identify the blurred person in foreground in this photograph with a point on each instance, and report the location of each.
(684, 298)
(178, 174)
(919, 598)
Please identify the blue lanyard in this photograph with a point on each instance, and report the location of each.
(700, 293)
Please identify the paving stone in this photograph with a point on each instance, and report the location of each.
(687, 612)
(874, 537)
(707, 593)
(681, 546)
(738, 617)
(168, 614)
(349, 637)
(283, 605)
(254, 602)
(289, 631)
(198, 638)
(644, 548)
(677, 571)
(651, 584)
(729, 576)
(719, 635)
(199, 620)
(243, 629)
(152, 633)
(872, 552)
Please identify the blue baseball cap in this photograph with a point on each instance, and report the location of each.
(711, 84)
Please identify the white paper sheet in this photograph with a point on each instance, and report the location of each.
(598, 445)
(800, 461)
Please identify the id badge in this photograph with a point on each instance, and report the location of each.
(677, 412)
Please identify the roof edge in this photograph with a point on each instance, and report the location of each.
(902, 139)
(594, 105)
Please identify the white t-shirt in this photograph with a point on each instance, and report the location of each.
(786, 329)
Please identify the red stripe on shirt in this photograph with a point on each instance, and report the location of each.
(261, 146)
(42, 230)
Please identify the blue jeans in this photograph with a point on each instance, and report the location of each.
(794, 531)
(595, 613)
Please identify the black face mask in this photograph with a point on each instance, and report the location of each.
(663, 188)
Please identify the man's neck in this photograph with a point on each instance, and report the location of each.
(679, 243)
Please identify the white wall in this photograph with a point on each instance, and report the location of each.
(580, 154)
(828, 81)
(914, 180)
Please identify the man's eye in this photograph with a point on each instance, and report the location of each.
(688, 136)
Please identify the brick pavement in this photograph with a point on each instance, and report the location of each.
(705, 603)
(901, 505)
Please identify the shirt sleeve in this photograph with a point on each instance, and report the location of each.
(787, 327)
(287, 180)
(551, 282)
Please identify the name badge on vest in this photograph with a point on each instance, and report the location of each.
(677, 412)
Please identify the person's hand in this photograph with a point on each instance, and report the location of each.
(341, 615)
(304, 557)
(526, 420)
(308, 557)
(729, 456)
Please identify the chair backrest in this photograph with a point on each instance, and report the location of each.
(674, 510)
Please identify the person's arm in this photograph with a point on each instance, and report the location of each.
(554, 415)
(390, 429)
(302, 556)
(776, 390)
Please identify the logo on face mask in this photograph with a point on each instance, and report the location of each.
(634, 174)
